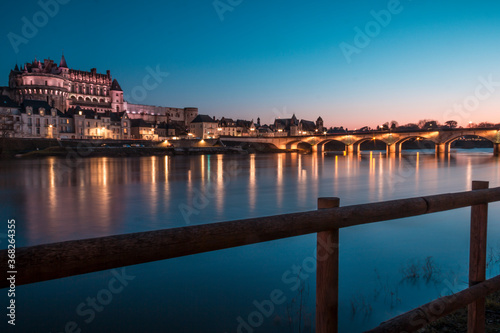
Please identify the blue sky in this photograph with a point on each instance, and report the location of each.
(271, 59)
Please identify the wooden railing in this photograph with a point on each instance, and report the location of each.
(59, 260)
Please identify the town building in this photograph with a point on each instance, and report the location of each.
(10, 116)
(143, 130)
(204, 127)
(47, 100)
(64, 88)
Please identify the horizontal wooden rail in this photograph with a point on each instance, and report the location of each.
(59, 260)
(420, 317)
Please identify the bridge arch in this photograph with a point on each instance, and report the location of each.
(446, 146)
(320, 146)
(304, 145)
(455, 138)
(399, 143)
(292, 144)
(365, 142)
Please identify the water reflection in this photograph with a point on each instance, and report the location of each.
(220, 191)
(252, 183)
(279, 180)
(102, 196)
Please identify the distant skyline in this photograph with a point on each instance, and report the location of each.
(354, 64)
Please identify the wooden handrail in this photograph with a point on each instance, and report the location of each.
(420, 317)
(59, 260)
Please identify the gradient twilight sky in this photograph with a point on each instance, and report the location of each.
(270, 59)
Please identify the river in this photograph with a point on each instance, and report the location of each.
(56, 200)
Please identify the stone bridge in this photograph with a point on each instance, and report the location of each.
(394, 140)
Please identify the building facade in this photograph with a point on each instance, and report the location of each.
(204, 127)
(64, 88)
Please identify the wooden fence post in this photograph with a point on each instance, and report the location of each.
(477, 260)
(327, 274)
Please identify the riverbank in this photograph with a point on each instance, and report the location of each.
(40, 148)
(457, 321)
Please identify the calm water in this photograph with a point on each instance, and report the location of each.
(217, 292)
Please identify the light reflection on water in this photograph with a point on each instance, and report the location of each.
(106, 196)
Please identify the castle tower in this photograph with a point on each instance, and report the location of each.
(319, 124)
(116, 94)
(63, 66)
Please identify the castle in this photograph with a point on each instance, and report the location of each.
(64, 89)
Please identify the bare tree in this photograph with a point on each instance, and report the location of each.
(451, 123)
(486, 125)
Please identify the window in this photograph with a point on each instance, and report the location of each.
(29, 121)
(38, 122)
(37, 131)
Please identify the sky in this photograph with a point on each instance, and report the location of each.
(354, 63)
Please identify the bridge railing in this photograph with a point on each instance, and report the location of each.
(58, 260)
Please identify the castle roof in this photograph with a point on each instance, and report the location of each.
(7, 102)
(89, 114)
(308, 125)
(63, 62)
(115, 86)
(201, 118)
(36, 106)
(140, 123)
